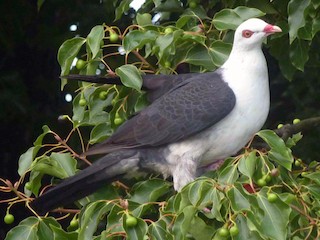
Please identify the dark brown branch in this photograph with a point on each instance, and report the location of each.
(289, 129)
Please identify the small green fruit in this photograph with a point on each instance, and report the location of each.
(297, 162)
(131, 221)
(82, 102)
(280, 125)
(268, 178)
(74, 223)
(261, 182)
(114, 37)
(28, 186)
(8, 218)
(296, 120)
(80, 64)
(234, 231)
(168, 30)
(193, 4)
(167, 64)
(272, 197)
(118, 121)
(223, 232)
(103, 95)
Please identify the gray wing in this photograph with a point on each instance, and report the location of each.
(188, 108)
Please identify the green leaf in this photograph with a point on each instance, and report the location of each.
(199, 55)
(100, 132)
(66, 163)
(130, 76)
(239, 199)
(137, 232)
(158, 231)
(183, 222)
(39, 139)
(200, 229)
(229, 175)
(279, 152)
(136, 39)
(94, 39)
(122, 8)
(198, 192)
(60, 234)
(149, 190)
(219, 52)
(299, 53)
(274, 216)
(296, 16)
(232, 18)
(27, 229)
(90, 218)
(26, 159)
(247, 164)
(66, 54)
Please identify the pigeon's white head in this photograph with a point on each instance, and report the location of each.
(251, 33)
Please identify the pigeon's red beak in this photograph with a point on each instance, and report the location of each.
(271, 29)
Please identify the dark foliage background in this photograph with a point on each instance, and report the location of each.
(29, 78)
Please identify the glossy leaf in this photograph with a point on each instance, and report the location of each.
(219, 52)
(279, 151)
(94, 39)
(90, 218)
(232, 18)
(149, 190)
(247, 164)
(299, 53)
(228, 175)
(122, 8)
(130, 76)
(66, 54)
(158, 231)
(183, 222)
(136, 39)
(296, 17)
(27, 229)
(26, 159)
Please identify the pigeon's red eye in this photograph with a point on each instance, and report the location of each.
(247, 33)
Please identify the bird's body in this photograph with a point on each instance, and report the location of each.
(194, 120)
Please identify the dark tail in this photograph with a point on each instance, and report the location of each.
(87, 181)
(94, 79)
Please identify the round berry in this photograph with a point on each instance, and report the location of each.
(193, 4)
(296, 120)
(297, 162)
(272, 197)
(103, 95)
(267, 178)
(82, 102)
(8, 218)
(223, 232)
(167, 64)
(118, 121)
(28, 186)
(234, 231)
(80, 64)
(261, 182)
(131, 221)
(114, 37)
(168, 30)
(280, 125)
(74, 223)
